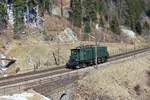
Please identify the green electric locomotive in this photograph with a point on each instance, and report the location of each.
(86, 56)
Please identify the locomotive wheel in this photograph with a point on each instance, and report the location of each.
(99, 60)
(78, 67)
(91, 63)
(83, 65)
(103, 60)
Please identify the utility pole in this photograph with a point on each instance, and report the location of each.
(96, 50)
(61, 4)
(58, 50)
(134, 46)
(96, 45)
(96, 40)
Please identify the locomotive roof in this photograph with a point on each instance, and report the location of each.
(88, 46)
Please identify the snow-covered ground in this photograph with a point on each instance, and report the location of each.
(67, 35)
(24, 96)
(3, 63)
(10, 14)
(128, 32)
(30, 18)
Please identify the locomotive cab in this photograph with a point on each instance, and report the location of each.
(85, 56)
(74, 58)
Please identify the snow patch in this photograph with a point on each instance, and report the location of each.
(2, 62)
(10, 13)
(128, 32)
(56, 11)
(23, 96)
(32, 18)
(67, 35)
(71, 35)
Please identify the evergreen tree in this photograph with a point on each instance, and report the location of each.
(135, 9)
(100, 8)
(3, 14)
(76, 14)
(90, 9)
(114, 25)
(138, 28)
(19, 9)
(146, 26)
(48, 5)
(87, 25)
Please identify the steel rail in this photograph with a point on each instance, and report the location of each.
(6, 81)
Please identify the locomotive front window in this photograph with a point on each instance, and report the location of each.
(74, 52)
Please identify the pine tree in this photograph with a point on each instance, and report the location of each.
(3, 15)
(19, 9)
(90, 9)
(48, 5)
(114, 25)
(100, 9)
(87, 25)
(135, 9)
(76, 14)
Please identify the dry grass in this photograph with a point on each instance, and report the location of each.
(123, 81)
(32, 52)
(1, 43)
(54, 23)
(36, 52)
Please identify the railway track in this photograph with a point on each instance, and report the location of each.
(128, 54)
(20, 78)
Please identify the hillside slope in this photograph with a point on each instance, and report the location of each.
(127, 80)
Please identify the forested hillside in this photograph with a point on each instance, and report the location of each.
(85, 14)
(111, 13)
